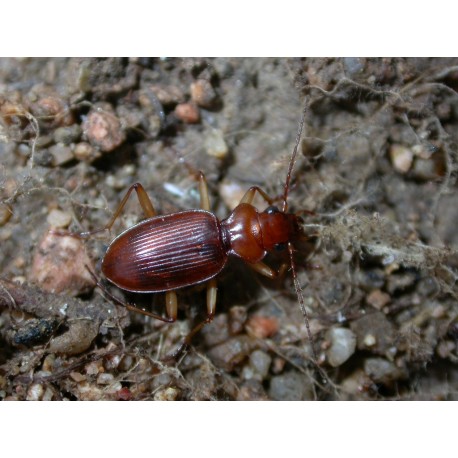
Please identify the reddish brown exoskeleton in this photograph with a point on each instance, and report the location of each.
(166, 252)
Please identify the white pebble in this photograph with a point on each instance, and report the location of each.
(58, 218)
(343, 344)
(215, 144)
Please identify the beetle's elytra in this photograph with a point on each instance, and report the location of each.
(167, 252)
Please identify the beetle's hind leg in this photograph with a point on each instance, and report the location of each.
(143, 199)
(171, 302)
(211, 306)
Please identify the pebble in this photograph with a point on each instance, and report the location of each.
(262, 327)
(103, 130)
(60, 154)
(381, 370)
(167, 95)
(203, 94)
(343, 345)
(85, 152)
(35, 392)
(168, 394)
(77, 377)
(401, 158)
(217, 332)
(124, 394)
(291, 386)
(230, 353)
(188, 113)
(58, 265)
(58, 218)
(215, 145)
(425, 169)
(105, 378)
(258, 366)
(378, 299)
(67, 135)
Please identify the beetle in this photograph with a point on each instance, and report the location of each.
(164, 253)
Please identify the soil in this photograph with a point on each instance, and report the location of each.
(375, 180)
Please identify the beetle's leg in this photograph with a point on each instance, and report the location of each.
(203, 191)
(267, 271)
(249, 195)
(171, 304)
(211, 306)
(143, 199)
(131, 307)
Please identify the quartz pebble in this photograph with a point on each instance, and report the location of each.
(215, 145)
(58, 218)
(401, 158)
(343, 344)
(291, 386)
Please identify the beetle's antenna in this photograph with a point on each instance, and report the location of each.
(293, 159)
(300, 296)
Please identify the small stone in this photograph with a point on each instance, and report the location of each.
(343, 344)
(215, 144)
(85, 152)
(168, 394)
(58, 218)
(217, 332)
(77, 377)
(262, 327)
(67, 135)
(188, 113)
(231, 192)
(105, 378)
(378, 299)
(61, 154)
(35, 392)
(291, 386)
(103, 130)
(59, 265)
(401, 158)
(425, 169)
(381, 370)
(203, 93)
(258, 366)
(167, 95)
(124, 394)
(230, 353)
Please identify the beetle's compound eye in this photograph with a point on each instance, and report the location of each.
(272, 209)
(280, 246)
